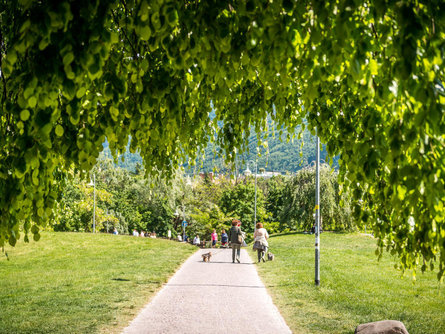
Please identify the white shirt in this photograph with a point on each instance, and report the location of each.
(261, 235)
(196, 241)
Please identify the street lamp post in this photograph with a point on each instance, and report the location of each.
(317, 212)
(183, 223)
(93, 183)
(256, 172)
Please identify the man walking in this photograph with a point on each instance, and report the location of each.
(236, 240)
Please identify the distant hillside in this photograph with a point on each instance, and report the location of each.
(127, 160)
(280, 156)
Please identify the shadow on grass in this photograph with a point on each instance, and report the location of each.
(120, 279)
(293, 284)
(225, 262)
(308, 233)
(287, 233)
(223, 285)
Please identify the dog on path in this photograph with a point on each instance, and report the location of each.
(206, 257)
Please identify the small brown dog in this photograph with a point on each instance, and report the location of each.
(206, 257)
(270, 256)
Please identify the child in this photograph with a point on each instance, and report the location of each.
(224, 239)
(214, 238)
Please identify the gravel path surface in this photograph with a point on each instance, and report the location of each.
(215, 297)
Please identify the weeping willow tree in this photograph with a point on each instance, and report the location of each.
(366, 74)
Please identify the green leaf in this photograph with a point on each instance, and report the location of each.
(34, 229)
(12, 241)
(68, 58)
(145, 32)
(59, 130)
(32, 101)
(24, 115)
(80, 92)
(373, 68)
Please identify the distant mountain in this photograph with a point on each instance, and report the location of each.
(127, 160)
(279, 156)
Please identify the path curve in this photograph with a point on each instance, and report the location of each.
(215, 297)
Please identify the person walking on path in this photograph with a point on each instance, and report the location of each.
(235, 237)
(260, 241)
(214, 238)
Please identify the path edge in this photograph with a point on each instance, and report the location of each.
(276, 309)
(158, 292)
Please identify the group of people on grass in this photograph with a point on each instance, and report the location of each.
(214, 238)
(236, 238)
(224, 239)
(144, 234)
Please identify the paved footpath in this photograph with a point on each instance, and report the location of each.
(215, 297)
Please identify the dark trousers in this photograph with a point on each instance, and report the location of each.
(262, 253)
(236, 248)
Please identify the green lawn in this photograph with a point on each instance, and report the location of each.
(355, 288)
(82, 283)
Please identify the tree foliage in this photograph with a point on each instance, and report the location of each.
(239, 201)
(366, 74)
(298, 198)
(75, 212)
(124, 200)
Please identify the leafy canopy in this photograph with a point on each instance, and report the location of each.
(366, 74)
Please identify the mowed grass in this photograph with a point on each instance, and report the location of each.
(355, 287)
(82, 283)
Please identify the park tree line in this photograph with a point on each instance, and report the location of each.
(126, 200)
